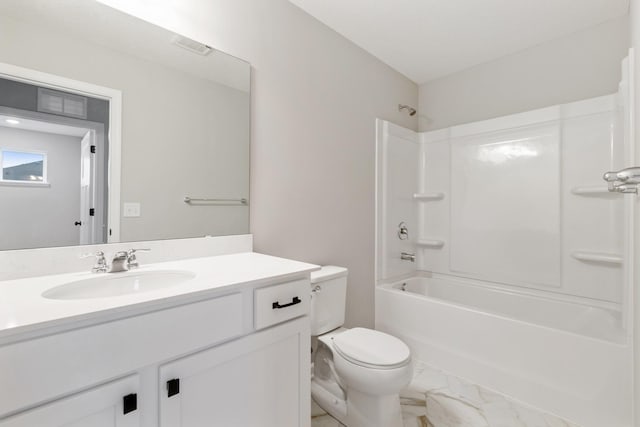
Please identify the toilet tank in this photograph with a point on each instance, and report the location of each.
(328, 299)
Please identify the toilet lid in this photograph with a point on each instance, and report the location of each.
(366, 347)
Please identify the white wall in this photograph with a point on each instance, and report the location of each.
(315, 97)
(582, 65)
(33, 216)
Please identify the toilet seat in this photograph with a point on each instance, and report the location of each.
(371, 349)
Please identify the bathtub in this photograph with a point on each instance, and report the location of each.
(563, 357)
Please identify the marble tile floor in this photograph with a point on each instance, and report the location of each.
(437, 399)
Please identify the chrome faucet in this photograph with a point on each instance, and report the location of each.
(125, 260)
(628, 175)
(623, 181)
(408, 257)
(119, 262)
(122, 261)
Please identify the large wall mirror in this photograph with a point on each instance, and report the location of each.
(113, 129)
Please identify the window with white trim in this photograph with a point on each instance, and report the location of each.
(23, 166)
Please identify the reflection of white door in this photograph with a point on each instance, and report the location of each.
(87, 193)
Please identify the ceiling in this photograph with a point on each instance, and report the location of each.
(428, 39)
(42, 126)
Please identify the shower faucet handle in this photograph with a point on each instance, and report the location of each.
(403, 231)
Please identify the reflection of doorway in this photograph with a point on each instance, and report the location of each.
(107, 192)
(88, 232)
(51, 180)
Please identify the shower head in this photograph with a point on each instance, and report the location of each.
(412, 111)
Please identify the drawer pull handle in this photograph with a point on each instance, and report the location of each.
(276, 305)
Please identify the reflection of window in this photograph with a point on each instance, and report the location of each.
(23, 166)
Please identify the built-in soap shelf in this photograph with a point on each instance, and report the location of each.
(598, 257)
(427, 197)
(594, 191)
(430, 243)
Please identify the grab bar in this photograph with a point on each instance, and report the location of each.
(598, 257)
(189, 200)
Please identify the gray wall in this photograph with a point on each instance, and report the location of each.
(315, 97)
(181, 135)
(579, 66)
(33, 216)
(24, 96)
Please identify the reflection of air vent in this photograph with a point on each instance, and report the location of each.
(61, 103)
(191, 45)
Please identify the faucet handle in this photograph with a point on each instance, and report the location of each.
(133, 251)
(90, 254)
(131, 257)
(101, 263)
(610, 176)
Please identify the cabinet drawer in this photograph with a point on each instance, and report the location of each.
(279, 303)
(30, 372)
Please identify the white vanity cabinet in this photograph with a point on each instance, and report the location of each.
(259, 380)
(203, 361)
(110, 405)
(254, 381)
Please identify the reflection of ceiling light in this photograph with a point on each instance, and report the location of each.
(191, 45)
(13, 121)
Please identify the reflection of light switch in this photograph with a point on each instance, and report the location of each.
(131, 210)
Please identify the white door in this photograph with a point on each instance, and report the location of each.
(255, 381)
(87, 163)
(110, 405)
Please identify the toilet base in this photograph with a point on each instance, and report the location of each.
(365, 410)
(334, 405)
(360, 409)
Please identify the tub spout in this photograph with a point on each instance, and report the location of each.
(408, 257)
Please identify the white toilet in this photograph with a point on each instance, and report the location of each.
(357, 373)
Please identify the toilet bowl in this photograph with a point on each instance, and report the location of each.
(357, 373)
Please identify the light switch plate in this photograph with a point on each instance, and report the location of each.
(131, 210)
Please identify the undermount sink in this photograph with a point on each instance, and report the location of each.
(117, 284)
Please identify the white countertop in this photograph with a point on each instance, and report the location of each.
(24, 313)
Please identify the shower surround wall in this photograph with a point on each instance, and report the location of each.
(509, 217)
(524, 202)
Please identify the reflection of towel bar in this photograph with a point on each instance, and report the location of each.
(190, 200)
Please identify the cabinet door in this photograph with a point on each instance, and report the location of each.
(261, 380)
(102, 406)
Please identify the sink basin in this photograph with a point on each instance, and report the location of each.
(116, 284)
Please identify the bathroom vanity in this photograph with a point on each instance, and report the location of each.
(227, 344)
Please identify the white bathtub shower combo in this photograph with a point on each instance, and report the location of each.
(503, 259)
